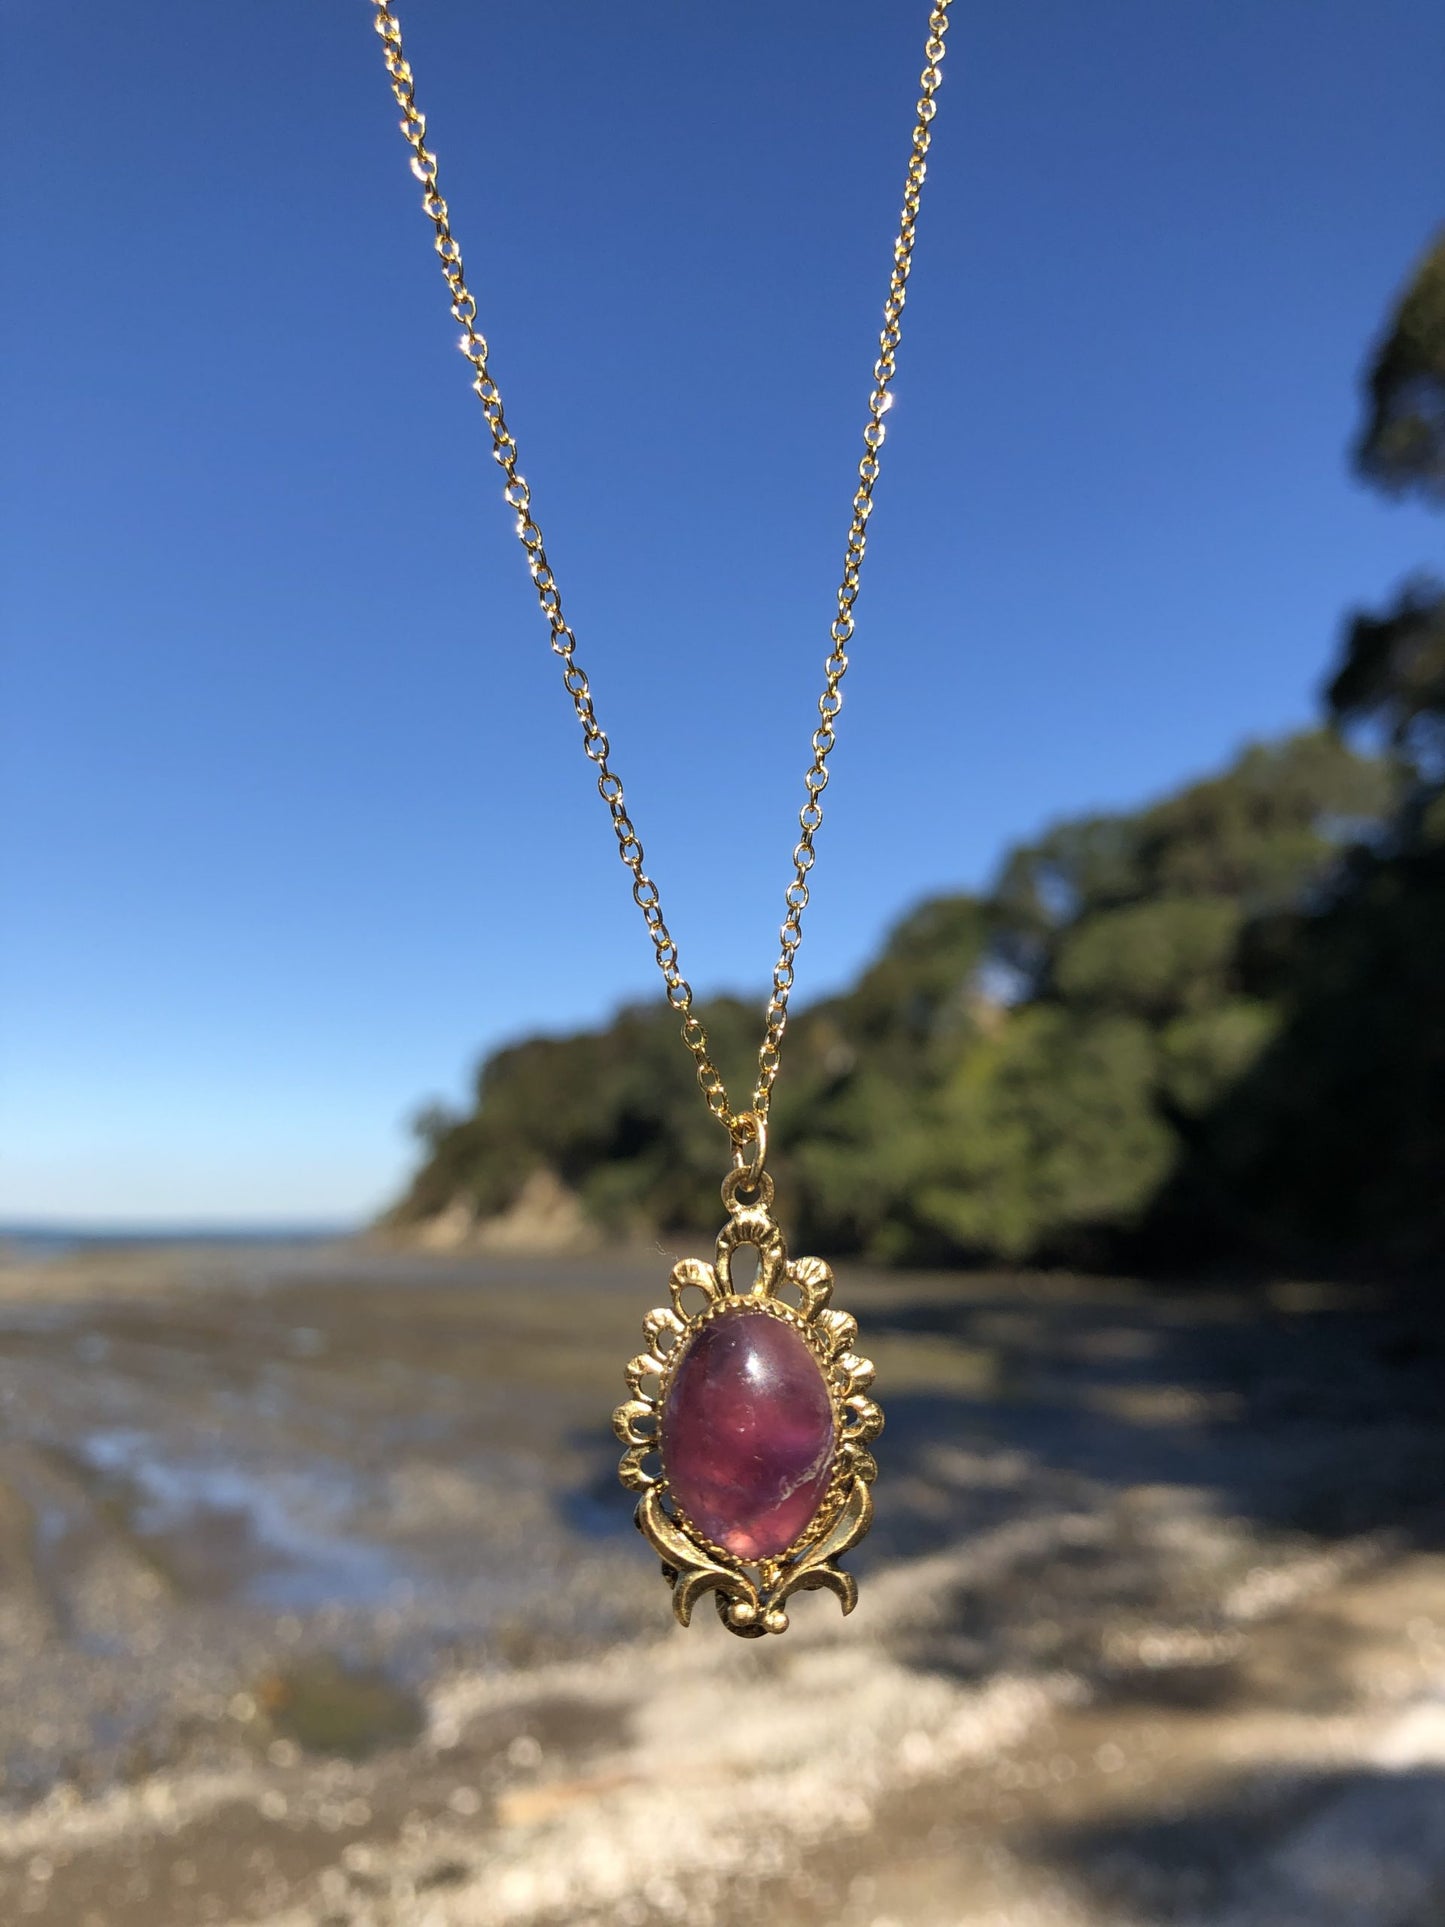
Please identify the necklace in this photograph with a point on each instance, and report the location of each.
(748, 1425)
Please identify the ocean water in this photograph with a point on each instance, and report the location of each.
(29, 1240)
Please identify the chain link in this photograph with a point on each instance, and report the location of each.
(747, 1127)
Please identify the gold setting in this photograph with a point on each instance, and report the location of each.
(749, 1594)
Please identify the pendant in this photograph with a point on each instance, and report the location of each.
(748, 1428)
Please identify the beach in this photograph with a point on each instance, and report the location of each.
(320, 1606)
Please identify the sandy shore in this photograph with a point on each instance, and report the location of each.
(319, 1608)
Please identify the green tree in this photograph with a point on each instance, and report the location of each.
(1330, 1145)
(1402, 444)
(1050, 1143)
(1213, 1024)
(1393, 675)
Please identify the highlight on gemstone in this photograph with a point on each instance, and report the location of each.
(747, 1433)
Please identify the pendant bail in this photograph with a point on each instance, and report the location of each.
(747, 1187)
(750, 1128)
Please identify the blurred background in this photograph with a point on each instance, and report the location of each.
(346, 1138)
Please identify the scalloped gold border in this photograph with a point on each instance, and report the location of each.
(749, 1594)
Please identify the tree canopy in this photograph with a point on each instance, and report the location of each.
(1211, 1027)
(1019, 1075)
(1402, 445)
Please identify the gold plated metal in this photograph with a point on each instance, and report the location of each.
(750, 1594)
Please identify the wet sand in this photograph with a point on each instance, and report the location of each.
(320, 1607)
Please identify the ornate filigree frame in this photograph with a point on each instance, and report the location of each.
(749, 1595)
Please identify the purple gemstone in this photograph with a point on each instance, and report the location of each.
(747, 1433)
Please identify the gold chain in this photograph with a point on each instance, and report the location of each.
(748, 1128)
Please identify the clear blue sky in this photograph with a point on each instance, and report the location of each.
(296, 818)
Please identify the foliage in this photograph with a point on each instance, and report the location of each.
(1050, 1140)
(1393, 673)
(1153, 959)
(1330, 1144)
(1213, 1026)
(925, 1117)
(1403, 444)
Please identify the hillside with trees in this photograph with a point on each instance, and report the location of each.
(1211, 1028)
